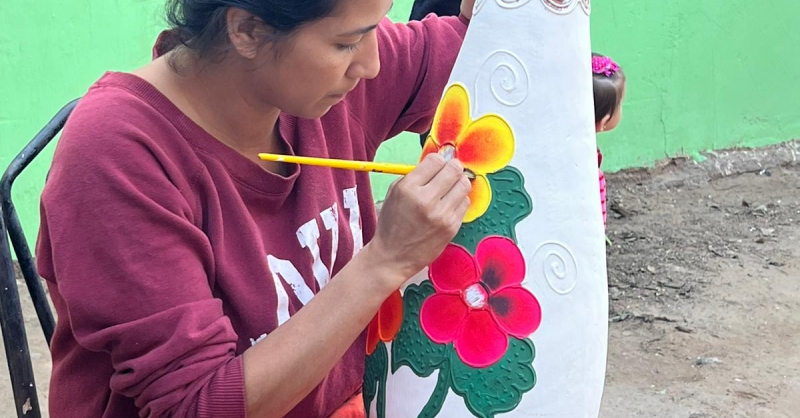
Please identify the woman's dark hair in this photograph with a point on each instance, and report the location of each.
(608, 90)
(201, 26)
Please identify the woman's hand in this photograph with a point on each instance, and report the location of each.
(422, 213)
(466, 8)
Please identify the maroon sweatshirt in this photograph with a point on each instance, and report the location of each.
(168, 254)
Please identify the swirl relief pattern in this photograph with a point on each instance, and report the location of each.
(556, 264)
(564, 7)
(503, 76)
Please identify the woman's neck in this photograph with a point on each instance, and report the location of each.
(215, 100)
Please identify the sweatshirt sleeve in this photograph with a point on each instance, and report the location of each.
(121, 240)
(416, 61)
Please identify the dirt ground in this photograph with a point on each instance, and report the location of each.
(704, 285)
(704, 282)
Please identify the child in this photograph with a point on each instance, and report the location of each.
(608, 82)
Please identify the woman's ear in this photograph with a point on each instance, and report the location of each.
(600, 126)
(246, 32)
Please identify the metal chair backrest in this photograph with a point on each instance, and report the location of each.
(11, 321)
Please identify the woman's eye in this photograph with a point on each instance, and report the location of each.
(348, 47)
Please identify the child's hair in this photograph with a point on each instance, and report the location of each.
(608, 82)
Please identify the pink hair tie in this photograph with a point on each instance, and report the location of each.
(604, 65)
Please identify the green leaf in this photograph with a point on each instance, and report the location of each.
(440, 391)
(510, 204)
(497, 388)
(375, 375)
(411, 347)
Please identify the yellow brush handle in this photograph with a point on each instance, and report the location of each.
(388, 168)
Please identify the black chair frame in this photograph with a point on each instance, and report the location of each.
(12, 322)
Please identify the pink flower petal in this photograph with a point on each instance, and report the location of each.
(454, 270)
(517, 311)
(441, 317)
(481, 342)
(501, 263)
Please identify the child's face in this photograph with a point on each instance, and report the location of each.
(614, 120)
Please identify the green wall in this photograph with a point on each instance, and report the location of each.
(702, 75)
(50, 52)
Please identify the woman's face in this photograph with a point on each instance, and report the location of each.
(319, 63)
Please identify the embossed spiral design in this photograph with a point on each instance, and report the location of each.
(512, 4)
(558, 266)
(505, 77)
(506, 4)
(587, 6)
(564, 7)
(560, 6)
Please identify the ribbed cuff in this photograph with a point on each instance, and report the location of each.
(224, 397)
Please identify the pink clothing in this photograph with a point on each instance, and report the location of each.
(603, 200)
(168, 254)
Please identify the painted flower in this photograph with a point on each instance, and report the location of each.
(386, 323)
(479, 301)
(484, 145)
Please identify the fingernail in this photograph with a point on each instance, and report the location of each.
(448, 152)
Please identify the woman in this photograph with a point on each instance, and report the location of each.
(179, 263)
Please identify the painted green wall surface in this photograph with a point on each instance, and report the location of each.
(51, 51)
(701, 75)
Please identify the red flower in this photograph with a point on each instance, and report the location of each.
(386, 323)
(480, 301)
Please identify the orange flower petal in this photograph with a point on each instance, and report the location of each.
(430, 147)
(372, 335)
(390, 317)
(486, 145)
(452, 115)
(480, 197)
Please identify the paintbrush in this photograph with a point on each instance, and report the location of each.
(368, 166)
